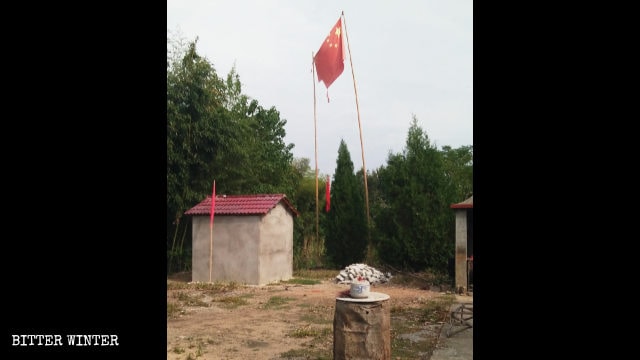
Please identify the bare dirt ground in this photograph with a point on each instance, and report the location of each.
(264, 322)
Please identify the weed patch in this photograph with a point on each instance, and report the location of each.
(232, 302)
(256, 344)
(190, 300)
(317, 314)
(276, 302)
(173, 310)
(307, 331)
(210, 288)
(318, 347)
(310, 353)
(324, 274)
(302, 281)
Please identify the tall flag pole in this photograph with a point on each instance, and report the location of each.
(315, 130)
(364, 168)
(213, 211)
(329, 63)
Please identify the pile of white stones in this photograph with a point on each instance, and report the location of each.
(372, 275)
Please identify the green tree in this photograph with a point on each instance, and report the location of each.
(458, 165)
(415, 223)
(192, 141)
(271, 158)
(215, 132)
(255, 158)
(346, 223)
(308, 248)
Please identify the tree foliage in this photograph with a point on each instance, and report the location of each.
(346, 226)
(458, 167)
(415, 224)
(308, 227)
(191, 143)
(215, 132)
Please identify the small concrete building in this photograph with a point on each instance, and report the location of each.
(252, 240)
(464, 244)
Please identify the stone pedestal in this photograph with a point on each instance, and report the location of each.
(361, 328)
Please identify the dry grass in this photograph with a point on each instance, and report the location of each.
(414, 329)
(211, 288)
(300, 281)
(321, 274)
(174, 310)
(232, 302)
(276, 302)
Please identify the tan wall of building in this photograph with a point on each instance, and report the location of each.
(235, 249)
(253, 250)
(276, 246)
(461, 248)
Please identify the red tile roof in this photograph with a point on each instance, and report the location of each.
(467, 204)
(242, 205)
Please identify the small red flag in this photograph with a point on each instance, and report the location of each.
(330, 59)
(328, 194)
(213, 202)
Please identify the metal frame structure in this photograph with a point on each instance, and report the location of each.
(460, 318)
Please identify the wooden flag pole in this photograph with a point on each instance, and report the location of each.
(364, 168)
(315, 133)
(210, 248)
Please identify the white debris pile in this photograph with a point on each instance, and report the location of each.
(372, 275)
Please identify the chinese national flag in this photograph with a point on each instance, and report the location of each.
(330, 59)
(328, 195)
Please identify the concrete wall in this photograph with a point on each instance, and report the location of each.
(276, 246)
(253, 250)
(461, 248)
(235, 249)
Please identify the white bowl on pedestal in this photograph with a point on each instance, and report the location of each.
(360, 289)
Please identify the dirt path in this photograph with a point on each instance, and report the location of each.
(263, 322)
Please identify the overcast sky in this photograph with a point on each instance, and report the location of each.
(410, 57)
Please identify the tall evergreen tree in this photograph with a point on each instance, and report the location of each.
(346, 223)
(416, 224)
(458, 165)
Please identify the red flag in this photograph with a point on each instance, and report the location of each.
(213, 202)
(328, 194)
(330, 59)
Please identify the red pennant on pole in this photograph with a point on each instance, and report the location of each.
(213, 202)
(328, 194)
